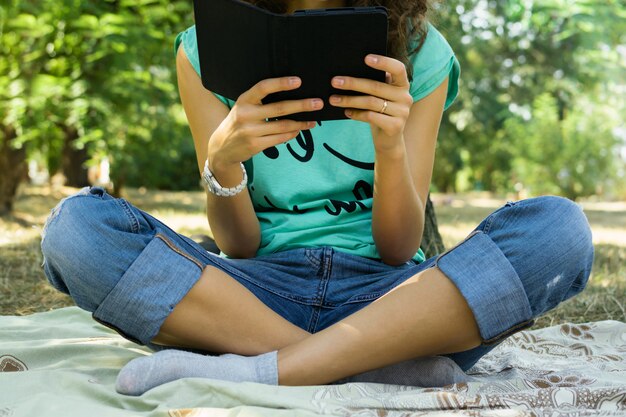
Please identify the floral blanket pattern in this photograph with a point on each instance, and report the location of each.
(63, 363)
(558, 371)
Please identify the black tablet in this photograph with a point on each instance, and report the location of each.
(240, 44)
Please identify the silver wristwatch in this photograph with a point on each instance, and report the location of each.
(214, 187)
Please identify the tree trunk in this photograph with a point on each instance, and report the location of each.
(118, 186)
(432, 243)
(74, 160)
(13, 170)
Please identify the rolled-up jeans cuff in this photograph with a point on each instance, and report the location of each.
(489, 284)
(143, 298)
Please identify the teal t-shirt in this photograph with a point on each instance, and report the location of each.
(317, 189)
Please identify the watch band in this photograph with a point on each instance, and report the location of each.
(214, 187)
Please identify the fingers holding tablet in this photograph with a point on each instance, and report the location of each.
(250, 126)
(385, 105)
(262, 89)
(268, 86)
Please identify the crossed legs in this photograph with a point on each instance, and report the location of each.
(521, 261)
(220, 315)
(426, 315)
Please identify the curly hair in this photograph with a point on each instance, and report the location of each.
(407, 22)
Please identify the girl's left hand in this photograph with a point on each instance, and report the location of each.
(385, 106)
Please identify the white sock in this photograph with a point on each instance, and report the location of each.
(143, 374)
(433, 371)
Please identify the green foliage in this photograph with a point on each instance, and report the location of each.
(103, 70)
(541, 103)
(571, 156)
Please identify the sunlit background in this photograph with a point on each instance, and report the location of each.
(88, 96)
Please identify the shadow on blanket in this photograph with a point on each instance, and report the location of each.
(63, 363)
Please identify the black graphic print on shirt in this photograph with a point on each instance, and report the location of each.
(362, 191)
(303, 150)
(307, 145)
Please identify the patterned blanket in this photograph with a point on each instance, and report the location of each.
(62, 363)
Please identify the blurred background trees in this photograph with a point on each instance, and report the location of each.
(83, 81)
(541, 110)
(543, 97)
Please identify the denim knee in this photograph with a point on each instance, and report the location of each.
(83, 246)
(574, 231)
(521, 261)
(548, 242)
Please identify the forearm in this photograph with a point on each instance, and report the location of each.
(398, 211)
(234, 224)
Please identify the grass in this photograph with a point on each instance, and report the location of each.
(24, 289)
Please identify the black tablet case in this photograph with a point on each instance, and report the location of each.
(240, 44)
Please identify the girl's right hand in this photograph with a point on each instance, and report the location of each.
(245, 131)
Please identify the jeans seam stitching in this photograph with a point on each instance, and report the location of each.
(488, 224)
(468, 237)
(117, 329)
(322, 274)
(134, 222)
(314, 262)
(315, 318)
(178, 251)
(489, 221)
(508, 332)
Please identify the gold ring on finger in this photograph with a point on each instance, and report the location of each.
(382, 111)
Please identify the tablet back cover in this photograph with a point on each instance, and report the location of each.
(233, 39)
(240, 44)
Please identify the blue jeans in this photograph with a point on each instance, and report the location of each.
(130, 270)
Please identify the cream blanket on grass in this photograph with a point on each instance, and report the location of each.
(62, 363)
